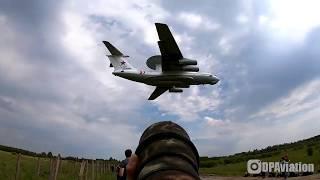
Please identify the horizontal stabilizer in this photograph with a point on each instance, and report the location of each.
(114, 51)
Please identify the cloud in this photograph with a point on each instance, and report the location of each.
(55, 80)
(215, 122)
(286, 22)
(188, 107)
(301, 99)
(242, 19)
(61, 84)
(196, 21)
(288, 119)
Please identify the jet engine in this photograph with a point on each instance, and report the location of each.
(183, 86)
(175, 90)
(190, 68)
(185, 61)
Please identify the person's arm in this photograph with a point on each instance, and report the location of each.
(121, 172)
(121, 169)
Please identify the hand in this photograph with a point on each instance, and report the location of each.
(132, 167)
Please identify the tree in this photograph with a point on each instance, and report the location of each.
(50, 154)
(43, 154)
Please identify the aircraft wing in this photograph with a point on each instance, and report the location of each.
(169, 49)
(157, 92)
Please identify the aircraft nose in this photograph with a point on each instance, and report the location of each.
(115, 73)
(215, 80)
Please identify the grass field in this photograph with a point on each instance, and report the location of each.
(69, 169)
(236, 165)
(305, 151)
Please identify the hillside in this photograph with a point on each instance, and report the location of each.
(306, 151)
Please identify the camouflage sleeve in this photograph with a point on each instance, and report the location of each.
(123, 164)
(165, 146)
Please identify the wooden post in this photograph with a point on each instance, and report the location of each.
(18, 167)
(101, 167)
(75, 173)
(51, 169)
(87, 169)
(97, 169)
(38, 167)
(83, 164)
(75, 163)
(107, 166)
(92, 165)
(56, 168)
(60, 164)
(104, 166)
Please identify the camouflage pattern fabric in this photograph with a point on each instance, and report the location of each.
(166, 146)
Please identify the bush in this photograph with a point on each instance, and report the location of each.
(49, 155)
(310, 151)
(207, 164)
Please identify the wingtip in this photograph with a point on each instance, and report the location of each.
(160, 24)
(113, 50)
(151, 98)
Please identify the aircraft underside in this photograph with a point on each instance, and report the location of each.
(172, 70)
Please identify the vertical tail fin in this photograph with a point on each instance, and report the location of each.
(114, 51)
(117, 59)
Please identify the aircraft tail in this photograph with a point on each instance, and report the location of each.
(117, 59)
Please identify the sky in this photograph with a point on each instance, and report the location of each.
(58, 94)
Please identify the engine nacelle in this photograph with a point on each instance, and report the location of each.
(175, 90)
(190, 68)
(188, 62)
(182, 86)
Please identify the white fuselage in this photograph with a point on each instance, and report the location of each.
(181, 79)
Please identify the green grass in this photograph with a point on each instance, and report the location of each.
(69, 169)
(233, 165)
(236, 165)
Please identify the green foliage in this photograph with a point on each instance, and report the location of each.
(17, 150)
(310, 151)
(49, 155)
(69, 169)
(236, 164)
(233, 165)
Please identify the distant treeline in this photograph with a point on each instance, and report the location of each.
(44, 154)
(267, 152)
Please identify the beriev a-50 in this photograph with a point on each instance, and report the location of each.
(173, 71)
